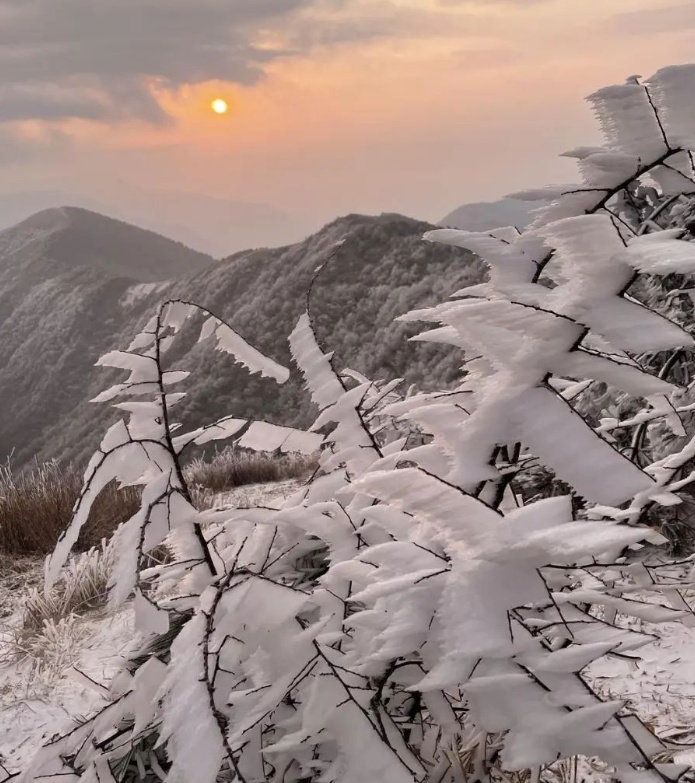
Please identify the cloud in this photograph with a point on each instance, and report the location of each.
(98, 59)
(655, 20)
(93, 58)
(175, 40)
(485, 4)
(362, 21)
(20, 146)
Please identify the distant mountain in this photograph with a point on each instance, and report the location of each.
(486, 215)
(61, 309)
(69, 237)
(64, 274)
(212, 225)
(215, 225)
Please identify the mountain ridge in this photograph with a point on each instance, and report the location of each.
(73, 236)
(210, 224)
(486, 215)
(54, 326)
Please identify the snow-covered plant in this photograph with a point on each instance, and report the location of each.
(588, 272)
(412, 615)
(82, 587)
(146, 449)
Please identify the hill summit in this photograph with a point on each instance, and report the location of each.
(71, 237)
(74, 285)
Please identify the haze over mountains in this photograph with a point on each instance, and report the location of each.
(75, 284)
(211, 225)
(486, 215)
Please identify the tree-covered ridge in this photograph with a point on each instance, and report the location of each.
(382, 270)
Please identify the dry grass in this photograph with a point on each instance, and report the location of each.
(36, 508)
(83, 587)
(47, 634)
(232, 468)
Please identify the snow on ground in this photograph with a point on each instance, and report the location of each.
(253, 495)
(42, 694)
(41, 697)
(659, 686)
(137, 292)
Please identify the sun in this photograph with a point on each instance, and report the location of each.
(220, 106)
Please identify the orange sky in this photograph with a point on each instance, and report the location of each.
(454, 101)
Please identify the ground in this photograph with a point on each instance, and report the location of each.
(42, 694)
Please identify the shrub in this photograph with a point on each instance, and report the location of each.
(36, 508)
(47, 634)
(83, 587)
(234, 468)
(410, 616)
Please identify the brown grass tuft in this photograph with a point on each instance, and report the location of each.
(232, 468)
(47, 635)
(37, 507)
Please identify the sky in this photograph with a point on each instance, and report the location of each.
(336, 106)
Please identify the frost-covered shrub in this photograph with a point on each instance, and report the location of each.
(413, 615)
(36, 508)
(231, 468)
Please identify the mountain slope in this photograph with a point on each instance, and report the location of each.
(63, 273)
(74, 237)
(486, 215)
(213, 225)
(51, 336)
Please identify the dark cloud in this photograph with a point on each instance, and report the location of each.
(96, 59)
(91, 58)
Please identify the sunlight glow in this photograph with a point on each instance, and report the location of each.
(220, 106)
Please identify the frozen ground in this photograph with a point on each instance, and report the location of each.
(42, 692)
(253, 495)
(41, 695)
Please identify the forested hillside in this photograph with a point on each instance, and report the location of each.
(59, 315)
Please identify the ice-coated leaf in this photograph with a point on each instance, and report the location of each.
(195, 742)
(131, 389)
(176, 314)
(224, 428)
(509, 263)
(143, 369)
(621, 374)
(633, 327)
(176, 376)
(262, 436)
(121, 459)
(560, 439)
(670, 88)
(230, 342)
(661, 253)
(570, 659)
(324, 385)
(628, 120)
(209, 327)
(149, 618)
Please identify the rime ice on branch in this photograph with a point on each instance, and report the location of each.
(411, 615)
